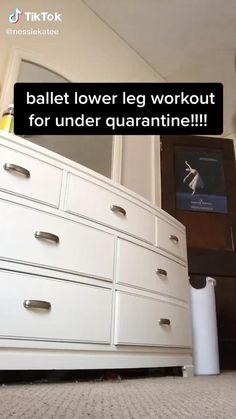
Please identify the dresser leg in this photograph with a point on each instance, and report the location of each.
(188, 371)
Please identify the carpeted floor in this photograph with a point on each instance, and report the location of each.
(157, 397)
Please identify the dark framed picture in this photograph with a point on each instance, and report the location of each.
(200, 182)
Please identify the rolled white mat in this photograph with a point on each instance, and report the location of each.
(205, 338)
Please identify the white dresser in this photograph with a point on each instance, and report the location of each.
(92, 275)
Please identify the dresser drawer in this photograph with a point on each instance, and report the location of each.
(28, 177)
(139, 322)
(68, 311)
(170, 239)
(99, 204)
(142, 268)
(72, 247)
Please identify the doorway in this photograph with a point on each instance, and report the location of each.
(199, 189)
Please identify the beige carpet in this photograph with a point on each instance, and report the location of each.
(144, 398)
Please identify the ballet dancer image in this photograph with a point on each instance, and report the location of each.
(196, 181)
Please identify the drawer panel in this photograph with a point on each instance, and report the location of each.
(43, 183)
(143, 268)
(78, 312)
(80, 249)
(170, 239)
(137, 322)
(94, 202)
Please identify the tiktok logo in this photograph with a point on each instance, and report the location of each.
(14, 16)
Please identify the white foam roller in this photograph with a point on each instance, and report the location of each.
(205, 338)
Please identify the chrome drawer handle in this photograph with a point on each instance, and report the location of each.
(164, 322)
(174, 238)
(46, 236)
(161, 272)
(116, 208)
(34, 304)
(10, 167)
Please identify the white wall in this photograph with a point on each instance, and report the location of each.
(143, 175)
(85, 50)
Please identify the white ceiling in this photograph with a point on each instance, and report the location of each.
(183, 40)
